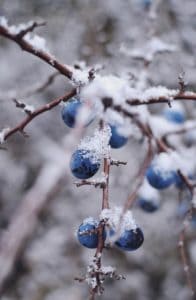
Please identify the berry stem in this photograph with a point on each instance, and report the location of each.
(106, 169)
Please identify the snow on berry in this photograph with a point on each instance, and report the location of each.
(97, 144)
(117, 220)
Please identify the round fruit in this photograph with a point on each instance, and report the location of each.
(175, 116)
(160, 179)
(87, 233)
(130, 240)
(84, 164)
(149, 205)
(69, 112)
(117, 140)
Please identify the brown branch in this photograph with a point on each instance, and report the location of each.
(19, 39)
(187, 182)
(185, 262)
(30, 28)
(144, 128)
(105, 204)
(158, 100)
(106, 170)
(20, 127)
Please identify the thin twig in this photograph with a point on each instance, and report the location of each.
(179, 96)
(25, 45)
(185, 262)
(20, 127)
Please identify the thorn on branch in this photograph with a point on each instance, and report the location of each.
(30, 28)
(95, 183)
(117, 162)
(28, 109)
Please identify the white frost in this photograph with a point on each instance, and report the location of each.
(90, 220)
(80, 77)
(98, 144)
(147, 52)
(119, 90)
(107, 87)
(118, 221)
(148, 192)
(3, 21)
(36, 41)
(2, 135)
(173, 161)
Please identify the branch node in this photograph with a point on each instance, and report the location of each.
(117, 162)
(28, 109)
(29, 28)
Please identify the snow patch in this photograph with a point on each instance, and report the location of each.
(3, 134)
(148, 52)
(97, 145)
(148, 192)
(36, 41)
(117, 220)
(80, 77)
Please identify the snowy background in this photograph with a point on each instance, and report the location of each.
(38, 167)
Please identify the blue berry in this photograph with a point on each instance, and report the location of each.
(160, 179)
(146, 3)
(69, 112)
(117, 140)
(87, 233)
(130, 240)
(175, 116)
(149, 205)
(84, 164)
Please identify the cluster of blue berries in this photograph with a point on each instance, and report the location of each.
(82, 164)
(129, 240)
(159, 178)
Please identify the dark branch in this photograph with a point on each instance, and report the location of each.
(20, 127)
(19, 39)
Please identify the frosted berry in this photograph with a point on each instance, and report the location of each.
(84, 164)
(160, 179)
(70, 110)
(87, 233)
(175, 116)
(130, 240)
(149, 205)
(117, 140)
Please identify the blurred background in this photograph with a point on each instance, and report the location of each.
(40, 207)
